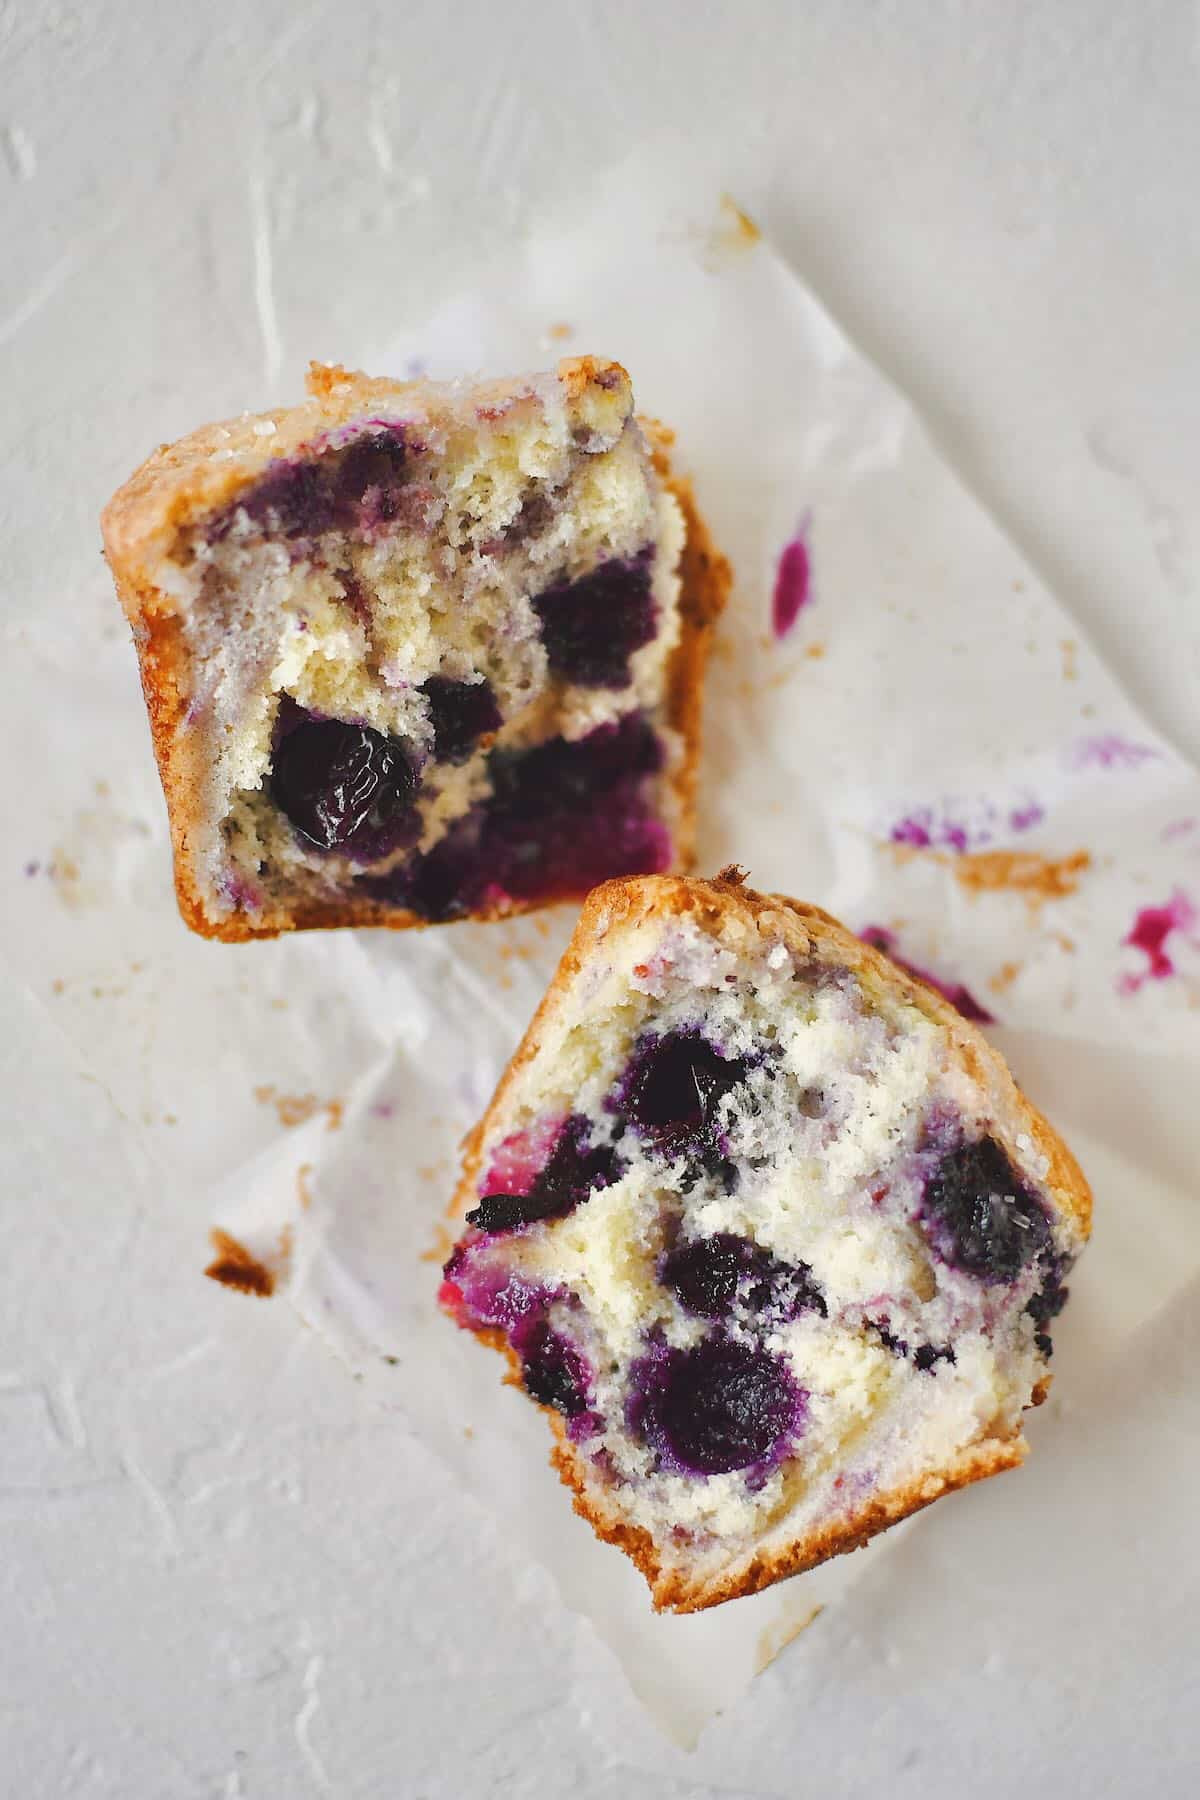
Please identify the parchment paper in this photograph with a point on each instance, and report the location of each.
(932, 750)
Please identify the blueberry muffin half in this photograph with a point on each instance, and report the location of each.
(769, 1231)
(416, 651)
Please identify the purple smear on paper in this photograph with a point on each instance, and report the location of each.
(1112, 752)
(1178, 828)
(961, 825)
(922, 831)
(913, 830)
(959, 996)
(793, 583)
(1149, 933)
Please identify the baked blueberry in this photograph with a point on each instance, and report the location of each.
(720, 1406)
(710, 1276)
(345, 787)
(591, 627)
(553, 1370)
(672, 1092)
(461, 712)
(980, 1217)
(574, 1169)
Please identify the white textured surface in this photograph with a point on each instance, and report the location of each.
(221, 1575)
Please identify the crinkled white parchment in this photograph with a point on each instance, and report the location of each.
(932, 750)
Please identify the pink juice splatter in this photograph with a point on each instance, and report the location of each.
(1151, 929)
(793, 583)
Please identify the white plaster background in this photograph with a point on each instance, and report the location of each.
(221, 1572)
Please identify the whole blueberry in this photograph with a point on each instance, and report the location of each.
(980, 1217)
(591, 627)
(460, 712)
(345, 787)
(719, 1406)
(368, 477)
(553, 1370)
(672, 1091)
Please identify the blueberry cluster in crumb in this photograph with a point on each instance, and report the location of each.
(559, 816)
(724, 1405)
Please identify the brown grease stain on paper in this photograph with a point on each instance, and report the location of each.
(297, 1109)
(1034, 877)
(234, 1267)
(775, 1638)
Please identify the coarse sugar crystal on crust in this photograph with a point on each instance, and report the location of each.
(418, 651)
(767, 1229)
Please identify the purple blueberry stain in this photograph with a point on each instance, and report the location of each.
(460, 712)
(561, 818)
(1108, 750)
(793, 582)
(914, 831)
(294, 498)
(920, 830)
(1024, 818)
(345, 787)
(355, 486)
(1047, 1303)
(959, 996)
(574, 1169)
(480, 1294)
(592, 627)
(369, 478)
(718, 1407)
(241, 893)
(711, 1276)
(956, 825)
(554, 1371)
(980, 1218)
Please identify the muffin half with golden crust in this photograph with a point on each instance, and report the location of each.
(416, 651)
(769, 1231)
